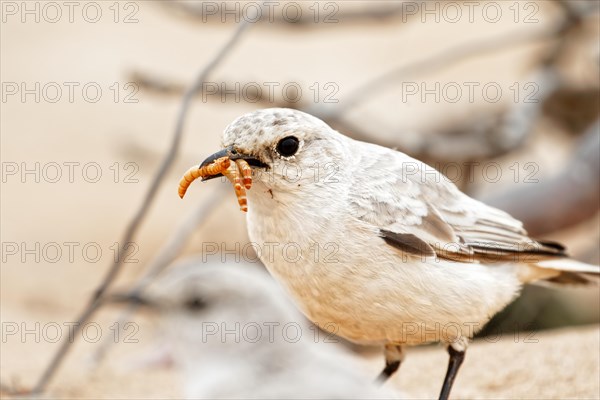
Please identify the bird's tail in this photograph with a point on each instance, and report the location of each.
(564, 271)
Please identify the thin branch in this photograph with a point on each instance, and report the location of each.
(168, 160)
(442, 59)
(134, 224)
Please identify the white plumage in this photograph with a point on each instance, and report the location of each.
(392, 252)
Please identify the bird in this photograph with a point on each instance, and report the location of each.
(232, 334)
(389, 251)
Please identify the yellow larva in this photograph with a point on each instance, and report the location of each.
(238, 173)
(246, 171)
(214, 168)
(233, 174)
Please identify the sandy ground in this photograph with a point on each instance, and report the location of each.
(41, 287)
(556, 364)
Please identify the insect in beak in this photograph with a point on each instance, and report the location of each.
(229, 163)
(231, 153)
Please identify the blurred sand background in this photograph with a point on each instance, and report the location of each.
(169, 44)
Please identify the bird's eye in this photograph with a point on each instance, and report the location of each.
(195, 304)
(288, 146)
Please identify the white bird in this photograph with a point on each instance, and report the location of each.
(231, 336)
(391, 252)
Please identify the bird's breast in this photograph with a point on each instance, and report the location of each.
(346, 279)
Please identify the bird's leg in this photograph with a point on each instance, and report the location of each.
(456, 359)
(393, 357)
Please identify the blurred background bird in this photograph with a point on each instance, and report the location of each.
(231, 335)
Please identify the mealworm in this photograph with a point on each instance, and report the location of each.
(214, 168)
(246, 171)
(233, 174)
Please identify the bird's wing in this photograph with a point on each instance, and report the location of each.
(419, 211)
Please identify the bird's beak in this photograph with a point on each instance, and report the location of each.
(233, 155)
(132, 298)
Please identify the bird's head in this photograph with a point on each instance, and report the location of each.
(288, 150)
